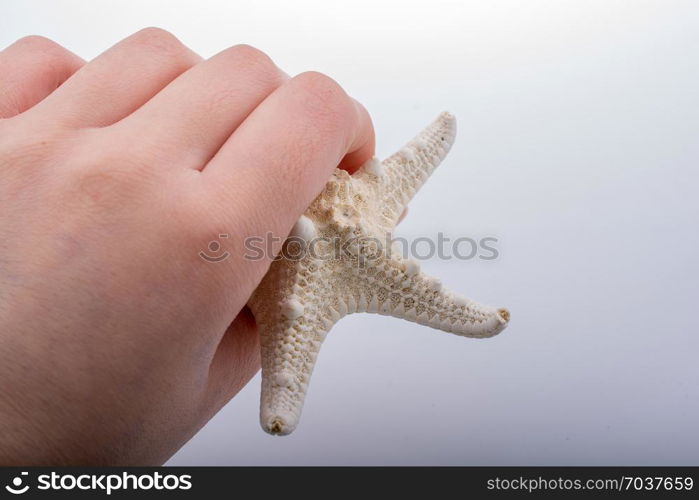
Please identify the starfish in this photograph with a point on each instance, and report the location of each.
(334, 263)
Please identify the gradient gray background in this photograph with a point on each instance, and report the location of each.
(577, 148)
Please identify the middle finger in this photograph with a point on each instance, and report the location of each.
(198, 111)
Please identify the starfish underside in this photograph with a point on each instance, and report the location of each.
(338, 262)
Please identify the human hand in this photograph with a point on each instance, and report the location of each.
(117, 341)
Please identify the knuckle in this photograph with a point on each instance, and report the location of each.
(255, 62)
(51, 54)
(322, 87)
(243, 73)
(36, 42)
(249, 54)
(325, 99)
(158, 39)
(50, 61)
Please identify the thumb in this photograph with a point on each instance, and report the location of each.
(235, 362)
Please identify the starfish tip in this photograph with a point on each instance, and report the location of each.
(277, 425)
(447, 116)
(504, 315)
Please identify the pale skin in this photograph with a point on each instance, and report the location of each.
(117, 341)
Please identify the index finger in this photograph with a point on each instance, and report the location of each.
(279, 159)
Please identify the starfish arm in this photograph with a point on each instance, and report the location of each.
(401, 175)
(292, 326)
(289, 353)
(402, 291)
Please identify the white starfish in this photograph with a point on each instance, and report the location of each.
(336, 264)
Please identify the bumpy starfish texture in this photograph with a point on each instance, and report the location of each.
(336, 262)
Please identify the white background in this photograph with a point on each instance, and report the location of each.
(577, 148)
